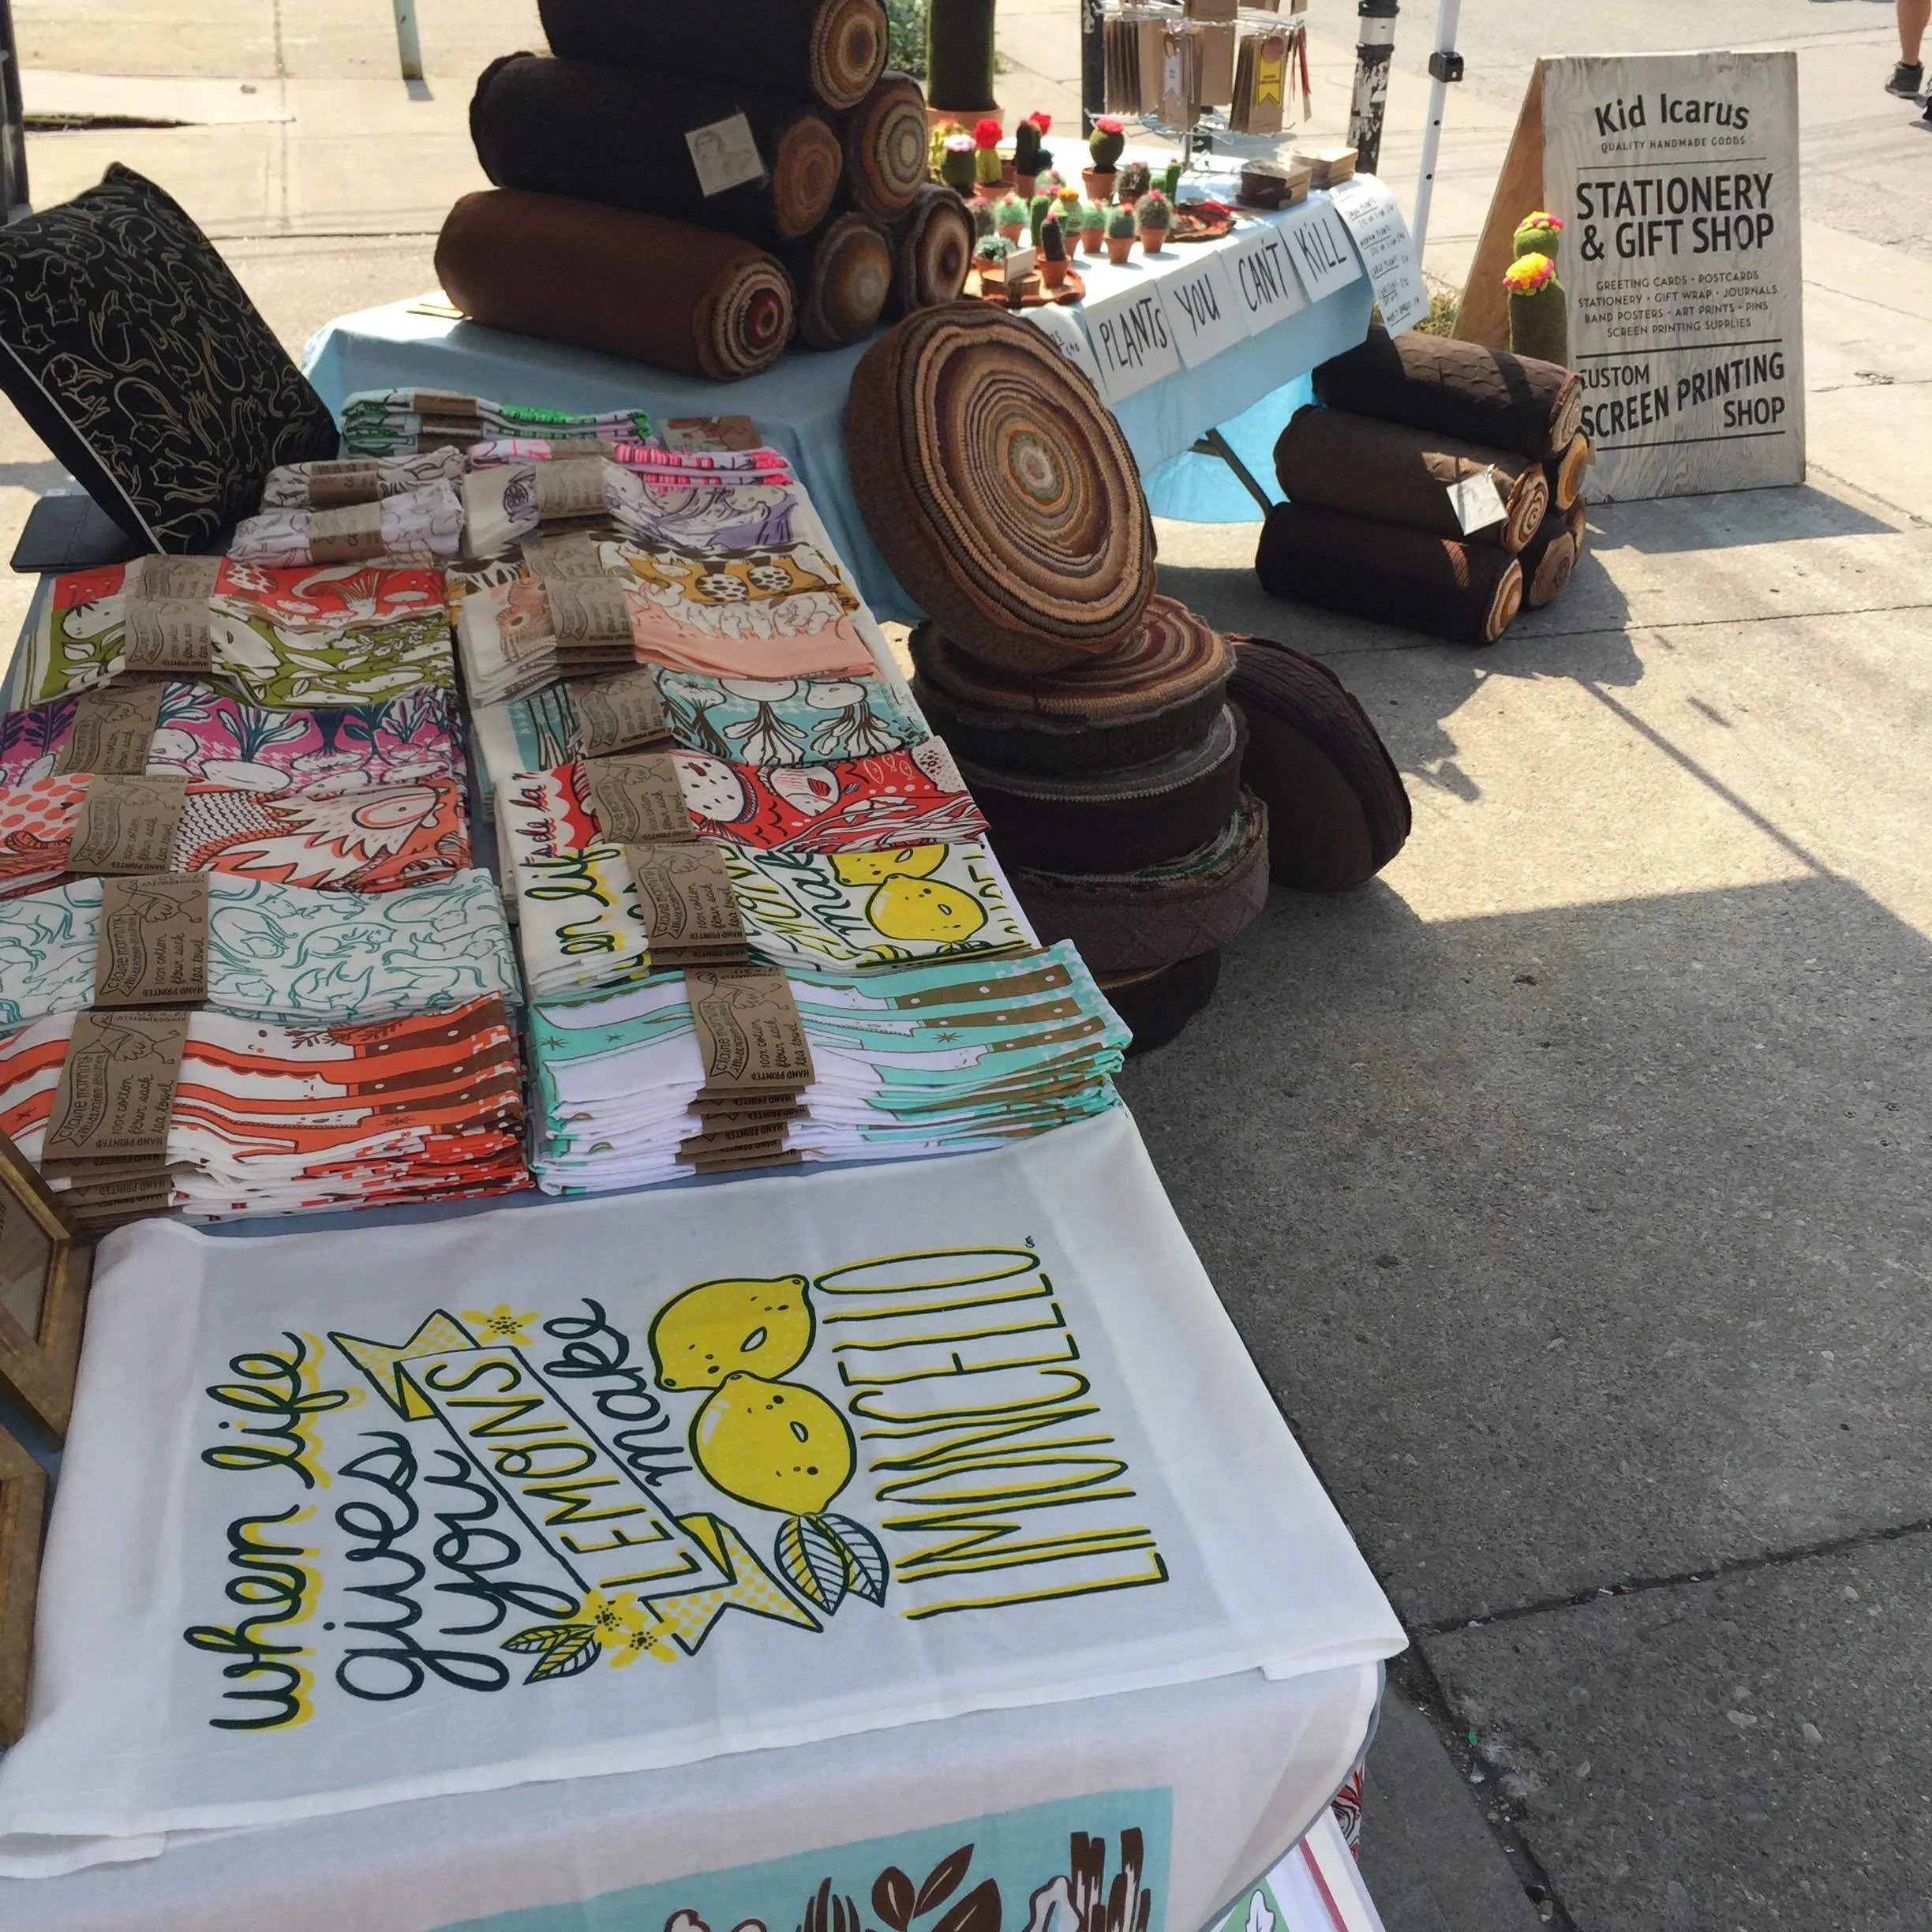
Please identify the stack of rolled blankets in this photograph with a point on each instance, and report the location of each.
(1437, 486)
(695, 186)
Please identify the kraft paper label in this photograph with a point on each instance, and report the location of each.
(571, 555)
(588, 611)
(113, 727)
(353, 479)
(569, 487)
(165, 579)
(728, 1163)
(749, 1032)
(347, 535)
(618, 713)
(127, 824)
(638, 800)
(119, 1197)
(710, 433)
(152, 947)
(689, 911)
(167, 634)
(117, 1089)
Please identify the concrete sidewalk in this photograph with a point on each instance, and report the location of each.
(1568, 1182)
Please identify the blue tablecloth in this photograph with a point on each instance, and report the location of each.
(799, 403)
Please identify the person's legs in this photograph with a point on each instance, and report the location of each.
(1907, 75)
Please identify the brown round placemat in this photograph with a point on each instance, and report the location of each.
(998, 487)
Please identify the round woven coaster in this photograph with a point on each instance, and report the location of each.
(1158, 1004)
(998, 488)
(1116, 821)
(1141, 921)
(1337, 809)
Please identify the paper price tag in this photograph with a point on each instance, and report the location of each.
(117, 1089)
(724, 153)
(127, 824)
(570, 486)
(1387, 249)
(1477, 502)
(1318, 243)
(346, 535)
(690, 912)
(618, 713)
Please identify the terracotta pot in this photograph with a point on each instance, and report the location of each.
(1098, 183)
(1053, 273)
(1006, 173)
(1153, 240)
(1023, 185)
(1119, 248)
(1011, 232)
(1093, 240)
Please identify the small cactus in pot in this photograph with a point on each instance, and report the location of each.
(1010, 217)
(1154, 215)
(1030, 159)
(1136, 178)
(1104, 147)
(1053, 253)
(990, 258)
(1041, 208)
(1119, 236)
(1093, 221)
(956, 163)
(987, 171)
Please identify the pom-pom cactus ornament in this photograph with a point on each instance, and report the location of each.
(1136, 178)
(1537, 234)
(1093, 221)
(1539, 312)
(956, 161)
(1010, 217)
(1104, 146)
(1053, 253)
(1120, 235)
(1030, 159)
(987, 169)
(1037, 212)
(1170, 180)
(1154, 215)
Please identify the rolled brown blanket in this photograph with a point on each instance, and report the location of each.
(1577, 516)
(1565, 473)
(1547, 559)
(932, 250)
(884, 139)
(829, 50)
(1459, 389)
(1385, 470)
(1465, 592)
(842, 279)
(564, 127)
(632, 284)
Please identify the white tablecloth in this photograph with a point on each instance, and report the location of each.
(799, 403)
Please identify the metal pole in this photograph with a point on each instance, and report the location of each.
(409, 47)
(1445, 66)
(1375, 40)
(1093, 64)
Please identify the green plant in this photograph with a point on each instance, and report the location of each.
(1052, 241)
(1036, 216)
(1029, 157)
(1537, 234)
(992, 249)
(1135, 178)
(1011, 213)
(905, 23)
(1155, 211)
(1441, 319)
(1094, 215)
(986, 169)
(958, 54)
(1121, 225)
(1106, 143)
(1170, 180)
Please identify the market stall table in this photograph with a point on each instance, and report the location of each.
(1096, 1633)
(799, 404)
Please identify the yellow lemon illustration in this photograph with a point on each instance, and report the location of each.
(870, 868)
(763, 1327)
(776, 1444)
(912, 908)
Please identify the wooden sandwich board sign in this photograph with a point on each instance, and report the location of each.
(1676, 178)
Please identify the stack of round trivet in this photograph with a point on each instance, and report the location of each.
(1337, 810)
(1089, 716)
(1439, 487)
